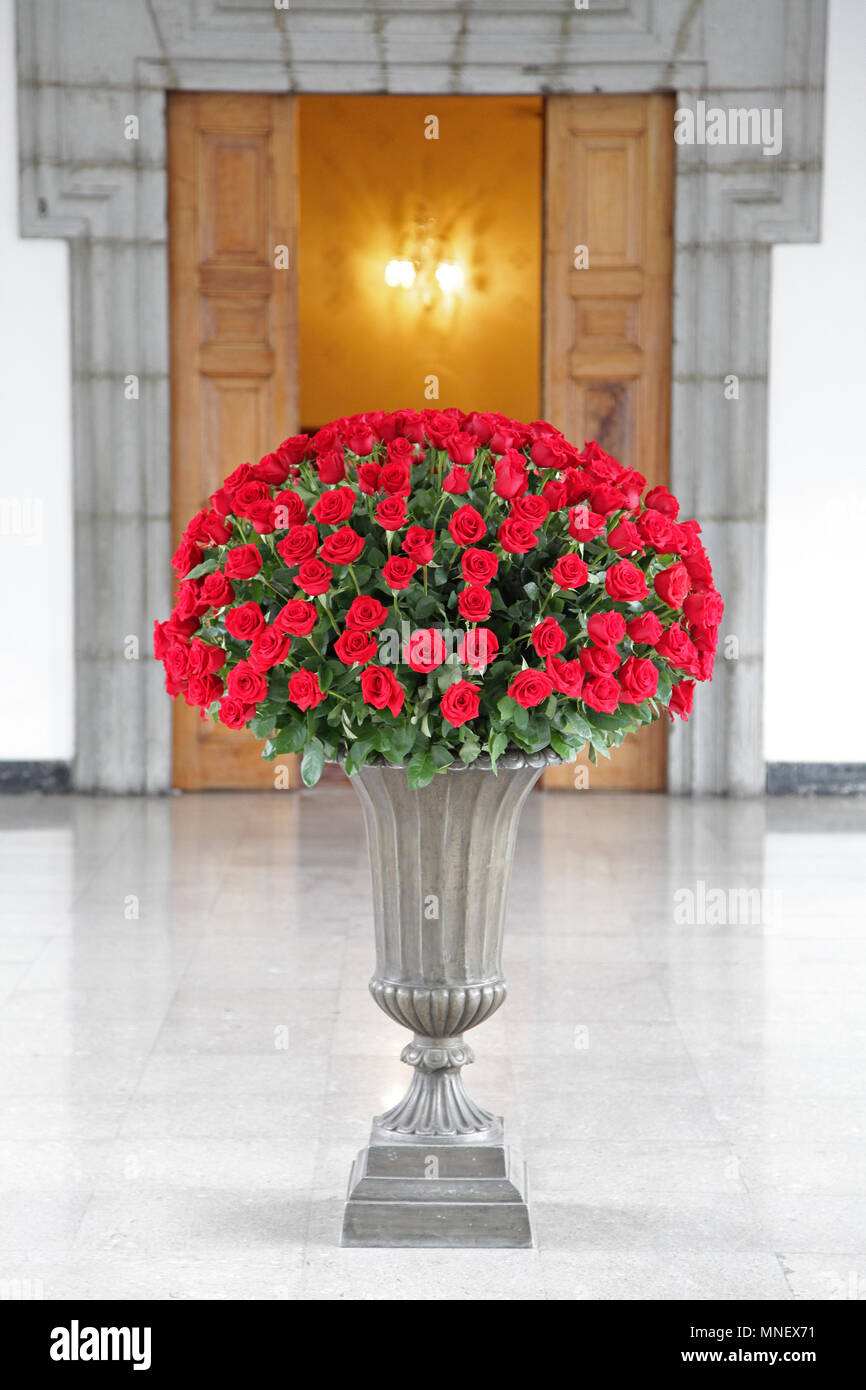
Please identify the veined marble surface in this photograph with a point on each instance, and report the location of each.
(189, 1058)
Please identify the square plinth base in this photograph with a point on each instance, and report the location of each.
(445, 1195)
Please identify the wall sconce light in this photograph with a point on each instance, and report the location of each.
(399, 273)
(450, 277)
(423, 264)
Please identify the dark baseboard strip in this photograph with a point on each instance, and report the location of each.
(816, 779)
(34, 777)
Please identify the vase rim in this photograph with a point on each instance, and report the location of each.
(512, 760)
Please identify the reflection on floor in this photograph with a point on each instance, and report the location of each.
(189, 1058)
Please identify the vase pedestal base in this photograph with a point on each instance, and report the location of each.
(439, 1194)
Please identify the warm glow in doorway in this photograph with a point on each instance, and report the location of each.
(419, 258)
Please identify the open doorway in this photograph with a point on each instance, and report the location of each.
(289, 220)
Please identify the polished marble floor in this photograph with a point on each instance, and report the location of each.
(189, 1058)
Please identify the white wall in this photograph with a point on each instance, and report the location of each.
(36, 688)
(816, 579)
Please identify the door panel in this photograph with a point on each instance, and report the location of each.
(607, 325)
(233, 340)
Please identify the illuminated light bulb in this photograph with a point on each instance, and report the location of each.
(399, 274)
(450, 277)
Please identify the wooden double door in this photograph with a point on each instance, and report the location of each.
(594, 259)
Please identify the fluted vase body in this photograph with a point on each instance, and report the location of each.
(441, 866)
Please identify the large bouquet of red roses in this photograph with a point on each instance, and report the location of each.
(432, 586)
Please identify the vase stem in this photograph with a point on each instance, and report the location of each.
(436, 1107)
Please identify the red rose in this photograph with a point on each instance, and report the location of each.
(567, 676)
(510, 475)
(480, 426)
(706, 639)
(418, 544)
(467, 526)
(186, 557)
(304, 690)
(478, 647)
(426, 650)
(355, 645)
(367, 613)
(699, 569)
(176, 629)
(248, 495)
(331, 464)
(205, 660)
(631, 484)
(461, 447)
(663, 501)
(548, 452)
(516, 536)
(177, 664)
(314, 577)
(391, 513)
(704, 608)
(216, 591)
(599, 661)
(246, 684)
(394, 478)
(242, 563)
(244, 622)
(681, 699)
(606, 499)
(479, 566)
(474, 603)
(530, 688)
(638, 679)
(625, 582)
(268, 649)
(645, 628)
(457, 481)
(401, 450)
(658, 531)
(601, 693)
(206, 528)
(606, 628)
(368, 478)
(677, 647)
(188, 601)
(548, 637)
(553, 493)
(297, 617)
(203, 690)
(570, 572)
(381, 689)
(295, 449)
(459, 703)
(234, 714)
(530, 508)
(272, 469)
(237, 478)
(300, 544)
(583, 524)
(360, 438)
(625, 538)
(289, 510)
(334, 506)
(397, 572)
(672, 585)
(342, 547)
(263, 515)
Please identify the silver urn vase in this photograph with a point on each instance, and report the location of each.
(437, 1171)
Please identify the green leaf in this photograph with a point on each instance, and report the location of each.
(443, 757)
(312, 763)
(290, 739)
(496, 746)
(357, 755)
(206, 567)
(561, 746)
(262, 725)
(420, 770)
